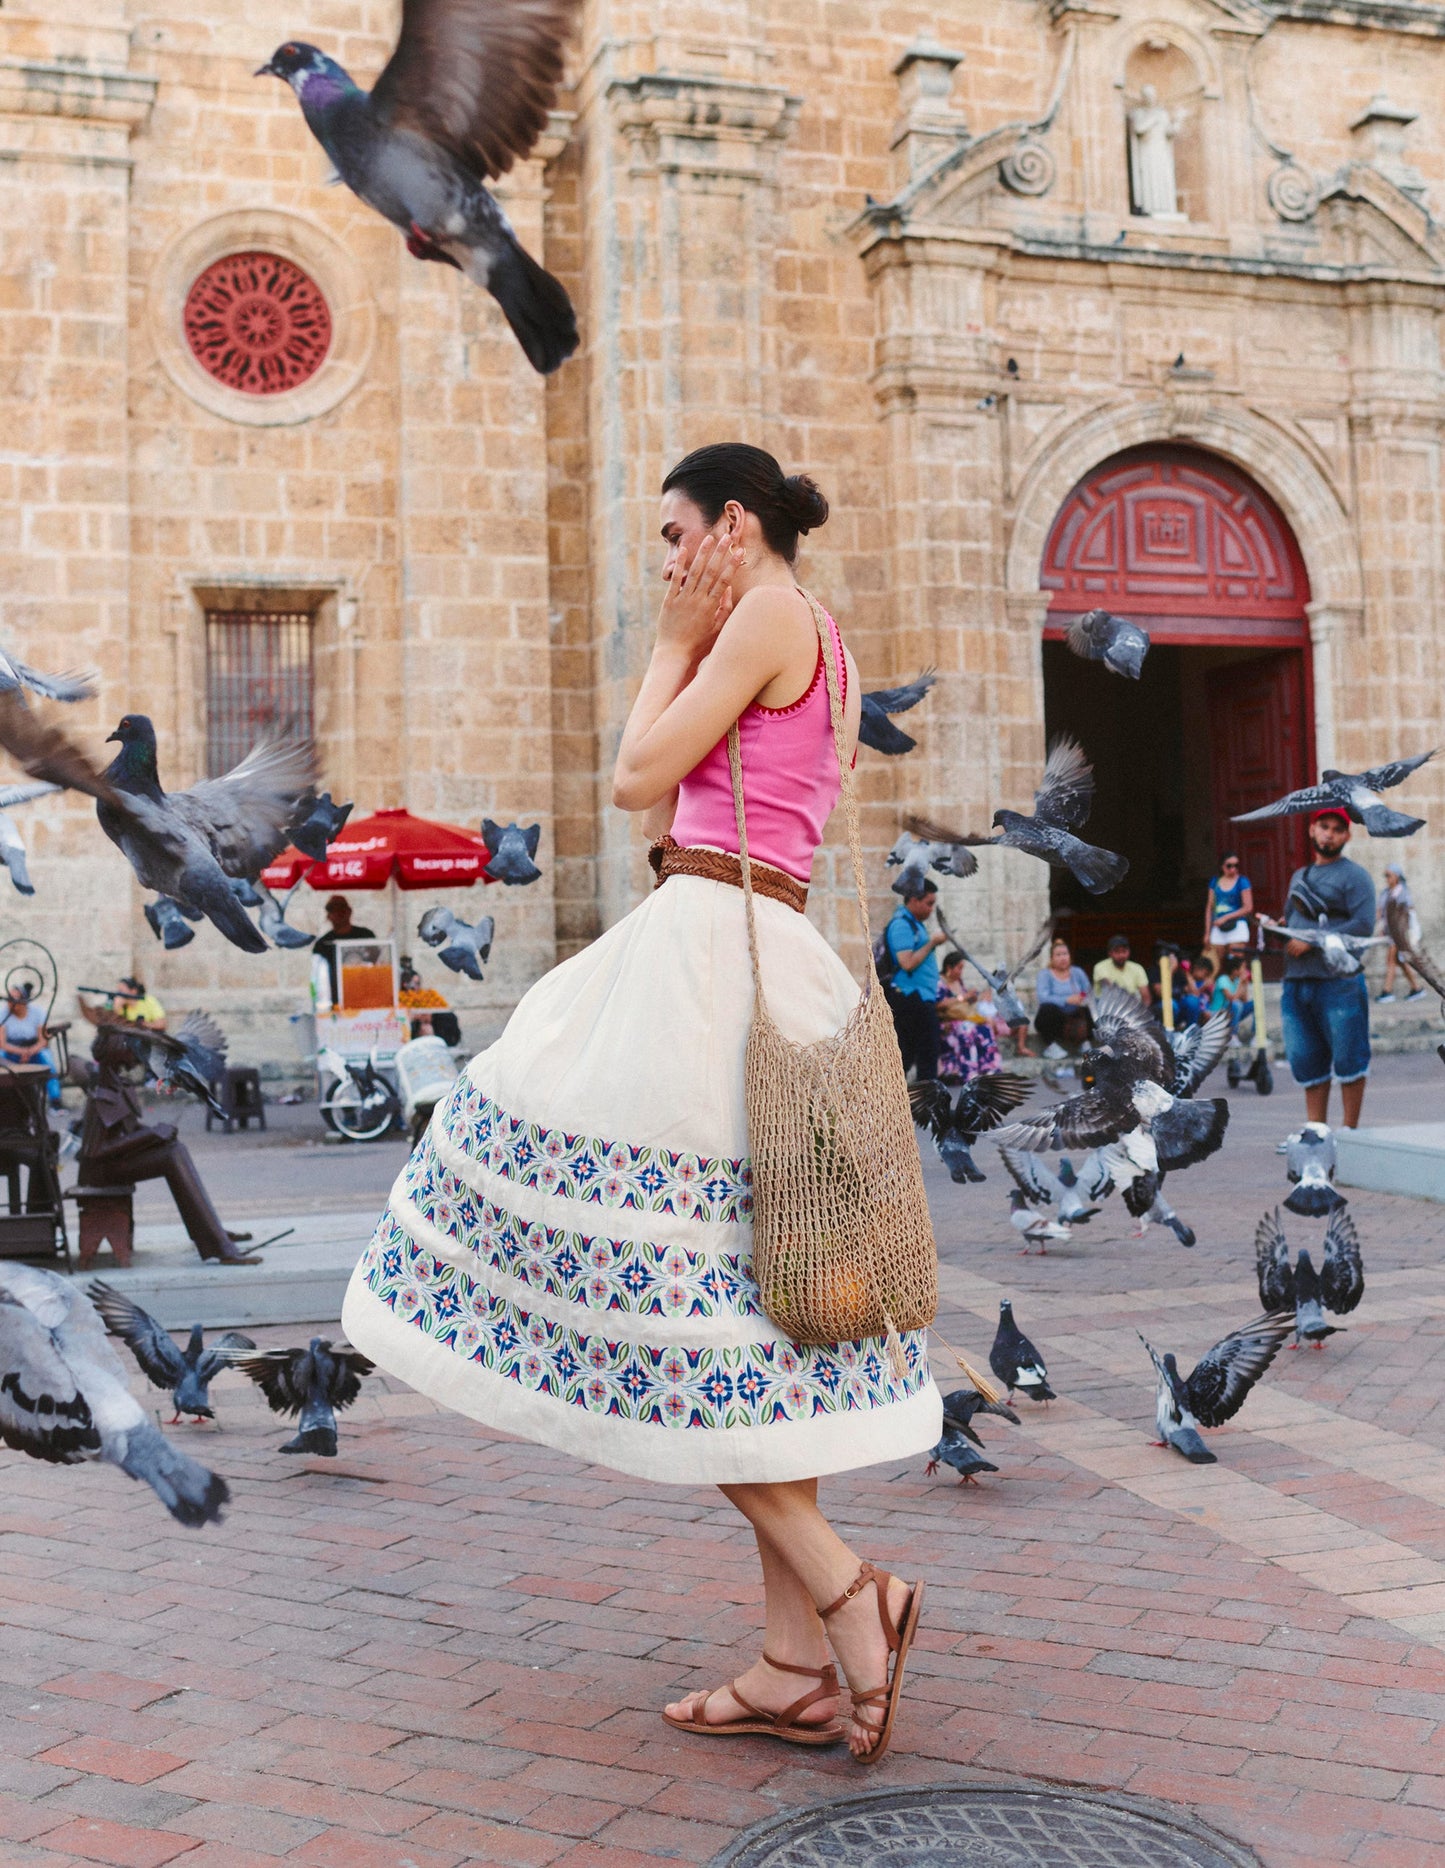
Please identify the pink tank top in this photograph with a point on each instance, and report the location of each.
(790, 780)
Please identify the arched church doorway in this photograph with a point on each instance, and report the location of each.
(1222, 718)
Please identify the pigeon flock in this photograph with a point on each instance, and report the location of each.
(1135, 1115)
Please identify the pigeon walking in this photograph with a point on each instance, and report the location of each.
(954, 1450)
(464, 96)
(1042, 1188)
(1310, 1163)
(186, 1373)
(64, 1396)
(317, 825)
(1016, 1362)
(982, 1104)
(12, 844)
(1119, 644)
(510, 850)
(1216, 1387)
(1034, 1227)
(460, 948)
(1337, 1286)
(1061, 807)
(1356, 794)
(1128, 1076)
(274, 925)
(960, 1447)
(875, 729)
(312, 1382)
(190, 844)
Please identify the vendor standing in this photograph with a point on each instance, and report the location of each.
(1326, 1017)
(338, 913)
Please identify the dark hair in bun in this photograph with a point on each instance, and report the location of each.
(785, 504)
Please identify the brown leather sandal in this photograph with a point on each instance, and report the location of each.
(785, 1724)
(899, 1638)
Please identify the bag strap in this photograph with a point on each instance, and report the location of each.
(849, 790)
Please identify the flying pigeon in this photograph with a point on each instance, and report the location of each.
(1016, 1362)
(465, 94)
(187, 1373)
(12, 845)
(917, 855)
(1099, 637)
(45, 751)
(1354, 793)
(1011, 1009)
(170, 923)
(1127, 1075)
(875, 729)
(982, 1104)
(1338, 1285)
(191, 844)
(317, 824)
(1343, 954)
(1061, 807)
(64, 1396)
(1310, 1163)
(274, 925)
(1216, 1387)
(460, 947)
(1036, 1228)
(190, 1058)
(510, 850)
(313, 1383)
(1041, 1187)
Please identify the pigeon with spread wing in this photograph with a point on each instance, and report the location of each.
(1337, 1286)
(1354, 793)
(186, 1373)
(875, 729)
(312, 1382)
(465, 95)
(1119, 644)
(982, 1104)
(1216, 1387)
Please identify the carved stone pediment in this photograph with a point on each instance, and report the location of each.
(1372, 223)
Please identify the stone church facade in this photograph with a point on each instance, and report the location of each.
(927, 254)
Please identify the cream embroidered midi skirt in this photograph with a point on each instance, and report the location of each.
(568, 1254)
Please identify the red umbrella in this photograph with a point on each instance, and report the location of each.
(387, 847)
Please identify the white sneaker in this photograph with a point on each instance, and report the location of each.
(1055, 1050)
(1411, 997)
(1384, 998)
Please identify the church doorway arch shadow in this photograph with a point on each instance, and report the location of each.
(1222, 718)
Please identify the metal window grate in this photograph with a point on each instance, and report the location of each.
(258, 681)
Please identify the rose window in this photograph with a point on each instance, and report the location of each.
(257, 323)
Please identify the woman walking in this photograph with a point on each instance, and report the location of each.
(568, 1254)
(1396, 889)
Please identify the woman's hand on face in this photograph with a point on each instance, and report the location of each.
(699, 597)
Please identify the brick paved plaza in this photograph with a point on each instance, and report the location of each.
(447, 1648)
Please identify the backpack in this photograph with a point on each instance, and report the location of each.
(885, 961)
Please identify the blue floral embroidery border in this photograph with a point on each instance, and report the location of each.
(584, 1167)
(634, 1277)
(750, 1385)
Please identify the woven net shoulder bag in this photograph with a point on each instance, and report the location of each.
(843, 1245)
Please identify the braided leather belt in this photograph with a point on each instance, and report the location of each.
(670, 858)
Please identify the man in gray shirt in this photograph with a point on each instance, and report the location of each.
(1327, 1018)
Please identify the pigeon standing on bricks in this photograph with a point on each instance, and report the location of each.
(1016, 1362)
(312, 1382)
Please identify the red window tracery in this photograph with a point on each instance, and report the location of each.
(1182, 539)
(257, 323)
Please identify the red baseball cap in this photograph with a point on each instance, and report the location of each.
(1331, 810)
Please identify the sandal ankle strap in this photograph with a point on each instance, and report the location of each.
(827, 1674)
(880, 1580)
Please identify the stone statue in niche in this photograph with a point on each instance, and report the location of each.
(1152, 130)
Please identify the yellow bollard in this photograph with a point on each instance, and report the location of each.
(1256, 981)
(1166, 990)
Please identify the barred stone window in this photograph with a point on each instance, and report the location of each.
(259, 680)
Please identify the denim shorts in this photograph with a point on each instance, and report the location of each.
(1326, 1029)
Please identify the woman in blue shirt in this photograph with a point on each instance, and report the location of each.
(1063, 1017)
(1227, 909)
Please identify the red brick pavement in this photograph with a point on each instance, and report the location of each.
(447, 1648)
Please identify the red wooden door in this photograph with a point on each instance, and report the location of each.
(1259, 747)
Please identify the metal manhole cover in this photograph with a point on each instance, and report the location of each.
(956, 1826)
